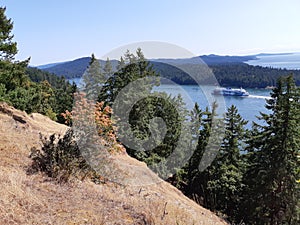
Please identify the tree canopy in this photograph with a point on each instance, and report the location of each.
(8, 48)
(29, 89)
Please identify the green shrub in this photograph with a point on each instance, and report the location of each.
(60, 158)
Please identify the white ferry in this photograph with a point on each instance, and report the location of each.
(230, 91)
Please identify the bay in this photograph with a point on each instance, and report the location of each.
(283, 61)
(249, 107)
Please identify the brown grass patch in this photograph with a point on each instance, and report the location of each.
(36, 199)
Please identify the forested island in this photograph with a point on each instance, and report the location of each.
(254, 177)
(229, 71)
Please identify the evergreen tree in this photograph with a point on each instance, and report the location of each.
(272, 192)
(12, 74)
(196, 180)
(121, 63)
(93, 79)
(64, 95)
(148, 142)
(159, 145)
(8, 48)
(108, 69)
(228, 167)
(132, 68)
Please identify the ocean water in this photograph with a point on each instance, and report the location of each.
(284, 61)
(249, 107)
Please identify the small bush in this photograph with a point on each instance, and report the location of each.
(61, 159)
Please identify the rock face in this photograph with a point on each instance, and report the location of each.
(34, 199)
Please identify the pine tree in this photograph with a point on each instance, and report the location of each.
(184, 175)
(93, 79)
(272, 192)
(12, 74)
(121, 91)
(228, 168)
(196, 180)
(121, 63)
(131, 68)
(8, 48)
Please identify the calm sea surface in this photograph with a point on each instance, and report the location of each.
(288, 61)
(249, 107)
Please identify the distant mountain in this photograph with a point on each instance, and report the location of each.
(48, 65)
(72, 69)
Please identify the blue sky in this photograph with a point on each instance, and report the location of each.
(61, 30)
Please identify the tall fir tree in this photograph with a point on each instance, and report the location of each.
(121, 63)
(93, 79)
(228, 167)
(195, 181)
(131, 68)
(272, 191)
(8, 48)
(12, 74)
(174, 140)
(108, 69)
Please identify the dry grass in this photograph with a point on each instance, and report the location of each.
(35, 199)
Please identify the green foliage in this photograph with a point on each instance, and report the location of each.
(272, 194)
(219, 186)
(228, 74)
(244, 75)
(260, 186)
(60, 160)
(228, 168)
(3, 96)
(190, 179)
(93, 79)
(150, 145)
(142, 120)
(12, 74)
(135, 67)
(62, 91)
(8, 48)
(40, 96)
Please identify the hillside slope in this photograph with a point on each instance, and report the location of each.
(35, 199)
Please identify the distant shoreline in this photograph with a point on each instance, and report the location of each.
(289, 61)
